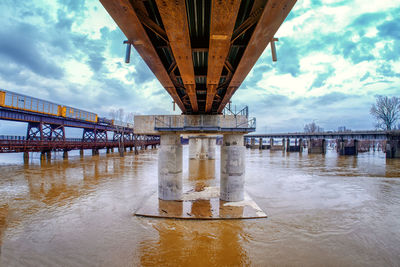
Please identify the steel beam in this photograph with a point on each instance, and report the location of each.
(272, 17)
(126, 18)
(174, 18)
(223, 18)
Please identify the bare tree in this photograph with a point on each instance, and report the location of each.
(386, 112)
(117, 114)
(129, 117)
(312, 128)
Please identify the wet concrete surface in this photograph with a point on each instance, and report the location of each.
(322, 210)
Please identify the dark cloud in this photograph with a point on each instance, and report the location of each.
(321, 78)
(77, 6)
(288, 58)
(22, 43)
(390, 29)
(366, 76)
(386, 70)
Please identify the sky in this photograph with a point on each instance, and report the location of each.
(334, 57)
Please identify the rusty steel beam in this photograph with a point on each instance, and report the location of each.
(271, 19)
(223, 17)
(174, 18)
(127, 20)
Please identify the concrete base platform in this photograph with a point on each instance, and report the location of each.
(200, 204)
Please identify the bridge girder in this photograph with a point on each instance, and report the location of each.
(200, 50)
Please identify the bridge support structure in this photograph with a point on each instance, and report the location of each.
(316, 146)
(202, 147)
(170, 167)
(347, 147)
(232, 168)
(45, 131)
(393, 146)
(298, 145)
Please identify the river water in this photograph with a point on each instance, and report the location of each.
(323, 210)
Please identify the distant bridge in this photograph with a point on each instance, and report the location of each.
(348, 143)
(12, 144)
(359, 135)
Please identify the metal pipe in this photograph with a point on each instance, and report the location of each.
(128, 52)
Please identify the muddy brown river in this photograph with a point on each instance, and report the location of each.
(323, 210)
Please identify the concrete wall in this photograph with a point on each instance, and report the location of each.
(144, 124)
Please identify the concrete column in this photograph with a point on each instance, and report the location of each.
(260, 143)
(202, 147)
(48, 155)
(393, 146)
(212, 142)
(26, 157)
(300, 145)
(65, 154)
(42, 155)
(194, 147)
(348, 147)
(95, 151)
(288, 145)
(81, 153)
(108, 150)
(316, 146)
(170, 167)
(232, 168)
(283, 144)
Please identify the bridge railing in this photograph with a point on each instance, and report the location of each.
(204, 122)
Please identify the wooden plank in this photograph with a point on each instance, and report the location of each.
(127, 20)
(223, 18)
(271, 19)
(173, 15)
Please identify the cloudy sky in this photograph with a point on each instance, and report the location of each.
(334, 56)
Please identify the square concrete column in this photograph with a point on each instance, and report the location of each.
(202, 147)
(170, 167)
(232, 168)
(212, 142)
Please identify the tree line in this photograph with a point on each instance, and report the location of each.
(386, 113)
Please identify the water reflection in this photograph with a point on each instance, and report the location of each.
(194, 243)
(78, 212)
(201, 169)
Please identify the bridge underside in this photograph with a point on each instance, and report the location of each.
(200, 50)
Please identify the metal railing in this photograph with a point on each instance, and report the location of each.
(204, 123)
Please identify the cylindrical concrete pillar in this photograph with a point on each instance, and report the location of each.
(194, 147)
(232, 168)
(260, 141)
(170, 167)
(26, 157)
(65, 154)
(212, 142)
(81, 152)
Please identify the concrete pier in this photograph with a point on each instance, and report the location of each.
(202, 147)
(170, 167)
(26, 157)
(298, 145)
(232, 168)
(393, 146)
(81, 153)
(316, 146)
(347, 147)
(65, 154)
